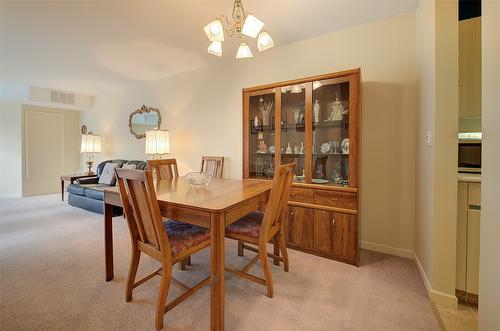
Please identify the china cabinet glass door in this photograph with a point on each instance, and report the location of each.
(330, 131)
(261, 140)
(293, 133)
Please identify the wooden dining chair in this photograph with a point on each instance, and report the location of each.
(212, 165)
(258, 228)
(167, 241)
(164, 168)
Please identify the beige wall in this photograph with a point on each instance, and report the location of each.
(10, 152)
(489, 272)
(436, 172)
(426, 109)
(446, 154)
(203, 111)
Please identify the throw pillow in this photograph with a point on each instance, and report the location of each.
(129, 166)
(108, 174)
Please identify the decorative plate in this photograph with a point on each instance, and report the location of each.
(325, 148)
(319, 181)
(345, 146)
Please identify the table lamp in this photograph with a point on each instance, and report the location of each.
(157, 143)
(91, 144)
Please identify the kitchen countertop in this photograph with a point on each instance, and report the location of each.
(469, 177)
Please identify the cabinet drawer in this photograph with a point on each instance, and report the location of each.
(300, 194)
(474, 194)
(336, 199)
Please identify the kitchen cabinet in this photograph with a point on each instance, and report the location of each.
(468, 235)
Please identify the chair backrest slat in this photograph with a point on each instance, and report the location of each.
(165, 168)
(212, 165)
(141, 208)
(278, 199)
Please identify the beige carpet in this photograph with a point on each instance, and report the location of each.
(52, 278)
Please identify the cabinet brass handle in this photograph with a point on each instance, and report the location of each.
(333, 222)
(292, 195)
(291, 213)
(333, 199)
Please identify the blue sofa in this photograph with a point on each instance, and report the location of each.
(88, 194)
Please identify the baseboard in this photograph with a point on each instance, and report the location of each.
(9, 196)
(444, 299)
(423, 275)
(401, 252)
(435, 296)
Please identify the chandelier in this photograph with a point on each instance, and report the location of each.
(242, 24)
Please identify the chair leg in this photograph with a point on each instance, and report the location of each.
(132, 272)
(162, 296)
(276, 251)
(188, 260)
(182, 264)
(267, 271)
(284, 253)
(241, 249)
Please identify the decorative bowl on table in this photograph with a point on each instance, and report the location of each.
(198, 179)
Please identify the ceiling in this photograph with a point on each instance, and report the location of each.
(93, 47)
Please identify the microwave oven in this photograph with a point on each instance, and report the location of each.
(469, 156)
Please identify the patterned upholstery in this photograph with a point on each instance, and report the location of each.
(183, 235)
(248, 225)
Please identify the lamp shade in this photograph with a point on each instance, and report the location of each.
(157, 142)
(244, 51)
(214, 30)
(264, 41)
(215, 48)
(252, 26)
(90, 144)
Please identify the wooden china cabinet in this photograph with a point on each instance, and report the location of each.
(314, 123)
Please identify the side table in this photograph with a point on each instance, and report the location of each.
(71, 179)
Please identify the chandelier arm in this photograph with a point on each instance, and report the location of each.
(227, 26)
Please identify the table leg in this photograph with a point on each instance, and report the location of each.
(217, 221)
(62, 190)
(108, 240)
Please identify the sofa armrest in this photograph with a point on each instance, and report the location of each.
(88, 180)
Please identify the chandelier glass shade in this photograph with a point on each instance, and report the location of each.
(243, 24)
(215, 48)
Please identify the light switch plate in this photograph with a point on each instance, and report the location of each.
(428, 138)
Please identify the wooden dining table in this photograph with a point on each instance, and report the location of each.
(215, 206)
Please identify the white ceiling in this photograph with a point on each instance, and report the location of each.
(92, 47)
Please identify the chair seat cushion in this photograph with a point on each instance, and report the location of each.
(248, 225)
(183, 236)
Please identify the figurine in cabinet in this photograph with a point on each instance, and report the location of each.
(288, 149)
(316, 111)
(301, 151)
(262, 147)
(296, 116)
(296, 149)
(337, 112)
(256, 123)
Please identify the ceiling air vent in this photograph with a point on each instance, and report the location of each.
(62, 97)
(51, 96)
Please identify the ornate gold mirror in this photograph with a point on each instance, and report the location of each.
(142, 120)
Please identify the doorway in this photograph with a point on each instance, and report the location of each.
(49, 148)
